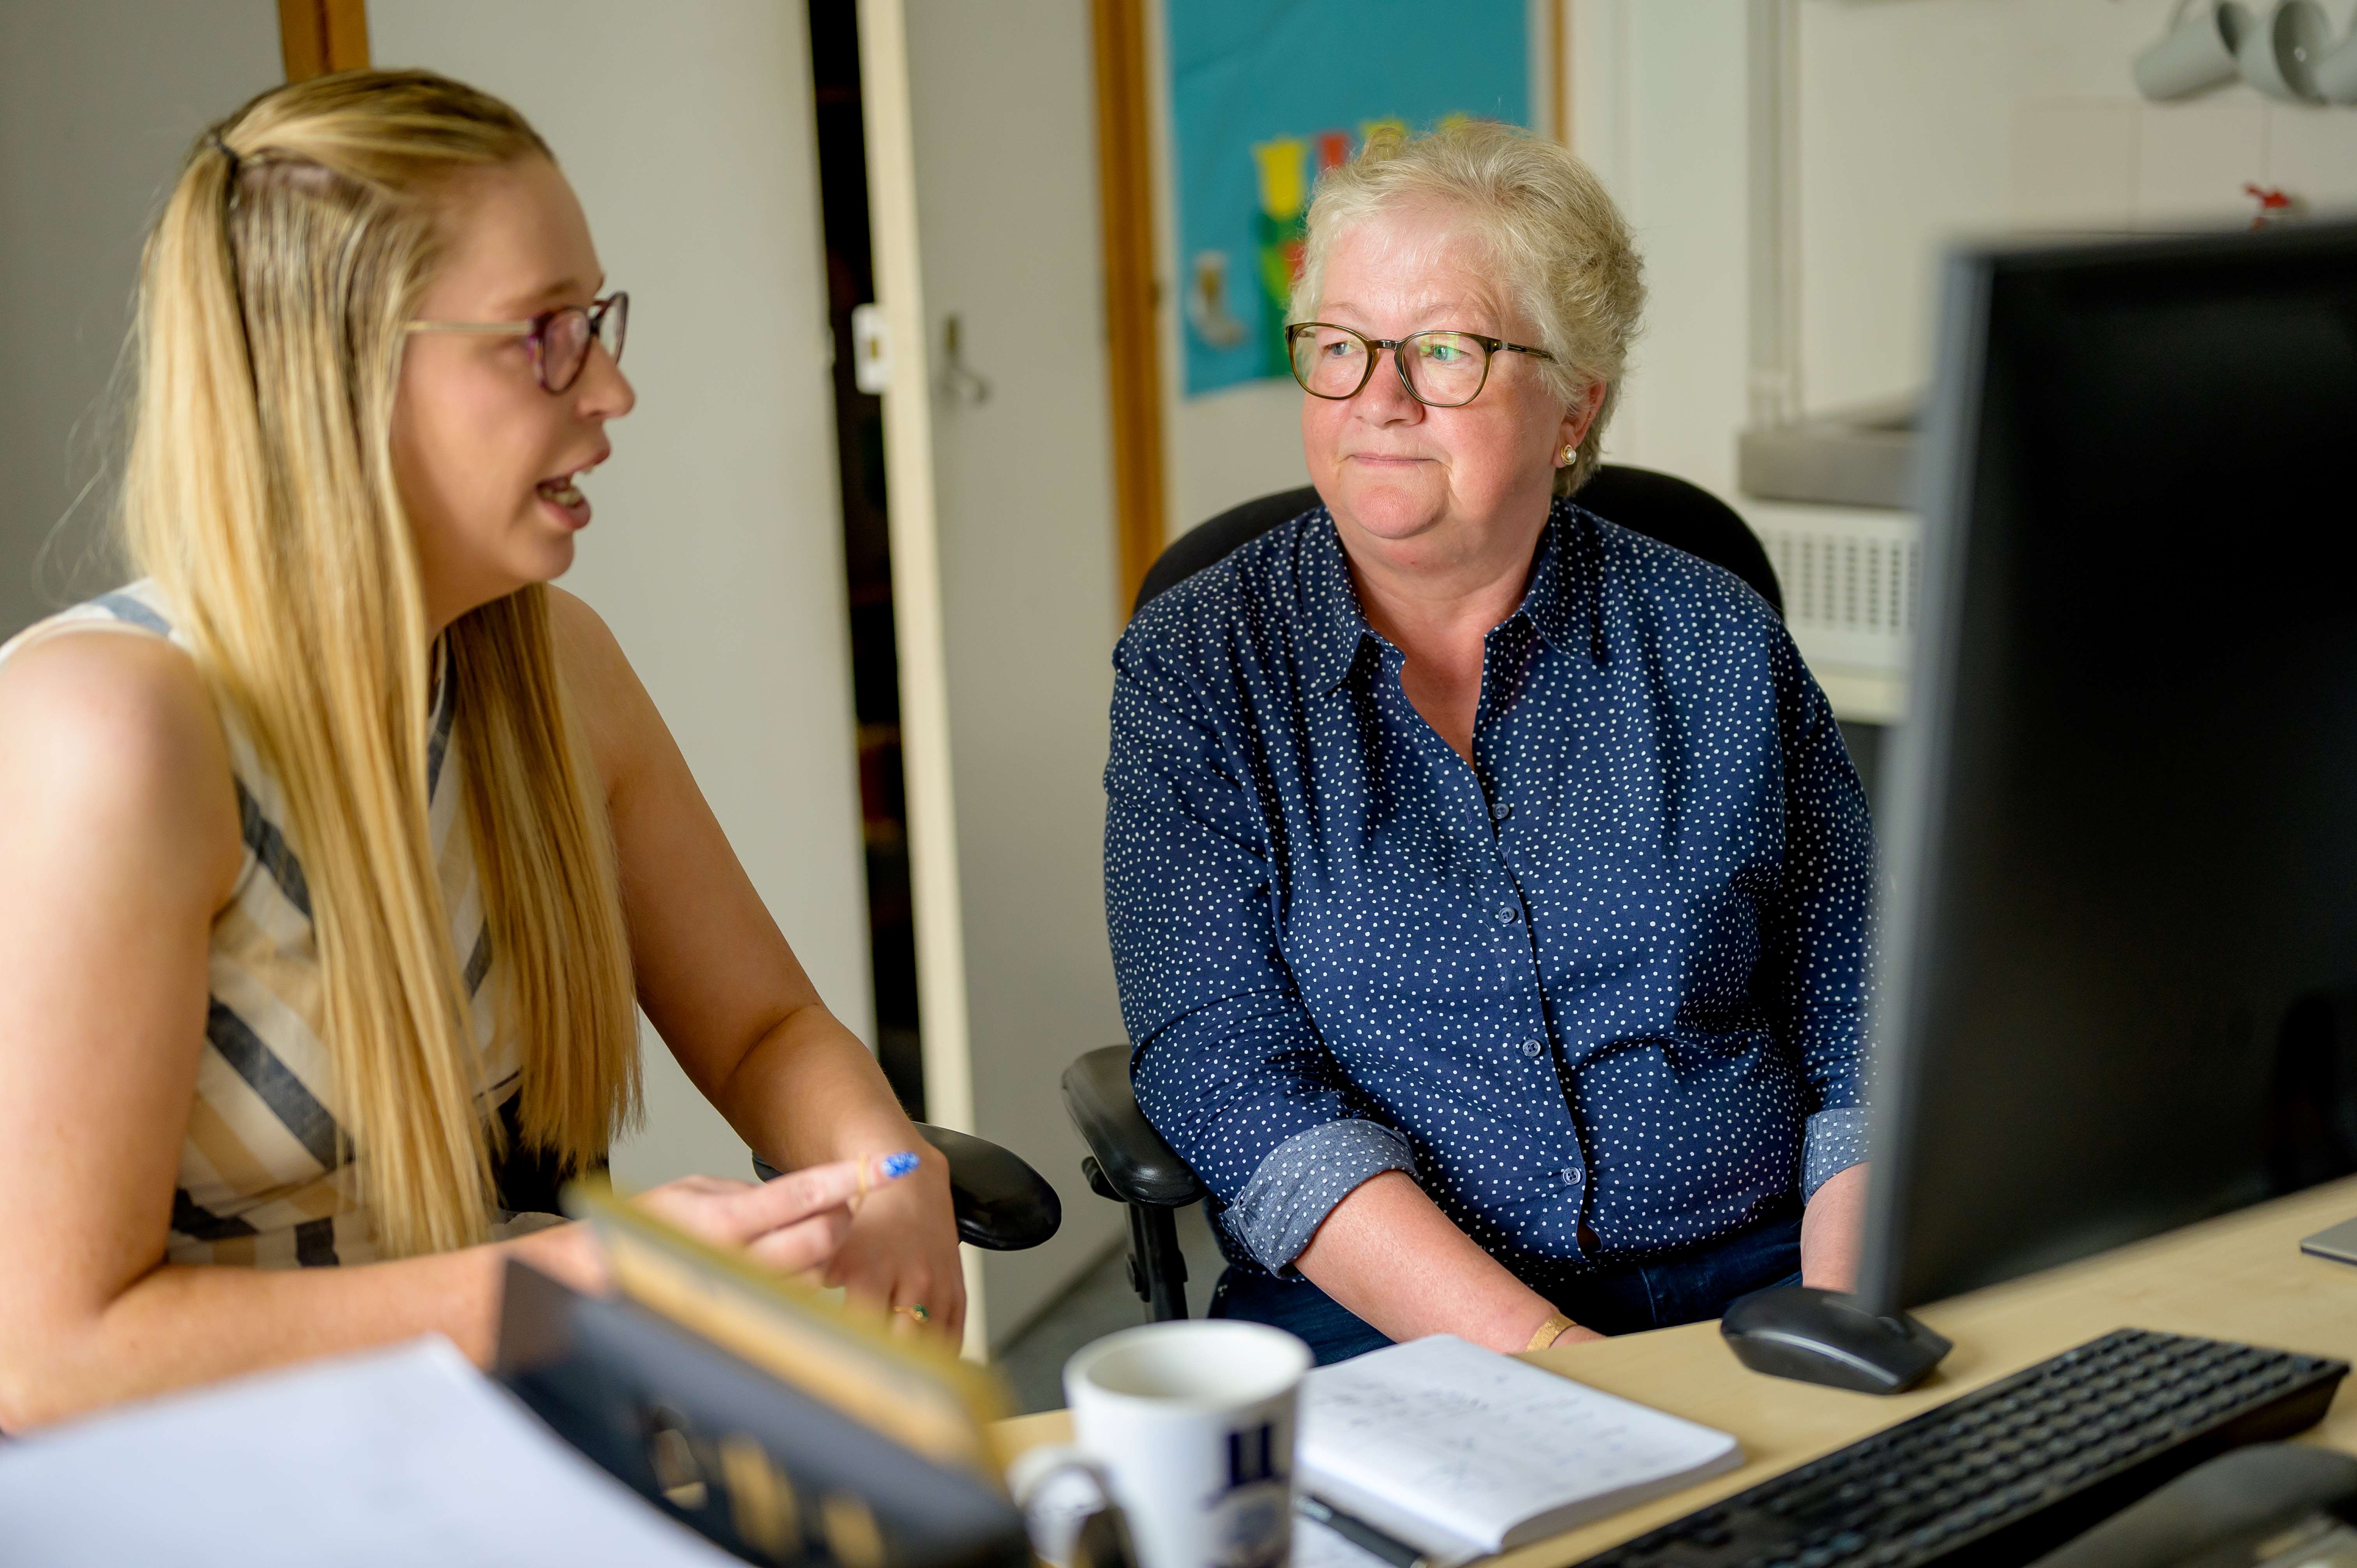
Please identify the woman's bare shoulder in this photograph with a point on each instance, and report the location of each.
(617, 716)
(585, 644)
(110, 739)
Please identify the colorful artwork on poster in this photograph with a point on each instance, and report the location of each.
(1266, 95)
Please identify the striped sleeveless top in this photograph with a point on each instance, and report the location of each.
(265, 1177)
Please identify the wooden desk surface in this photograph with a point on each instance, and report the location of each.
(2241, 1277)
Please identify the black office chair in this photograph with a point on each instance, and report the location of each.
(1661, 506)
(1128, 1160)
(1002, 1204)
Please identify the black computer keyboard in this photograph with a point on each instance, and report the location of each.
(2007, 1472)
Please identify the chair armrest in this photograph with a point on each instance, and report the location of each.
(1002, 1204)
(1140, 1166)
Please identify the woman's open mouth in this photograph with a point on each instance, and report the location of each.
(563, 496)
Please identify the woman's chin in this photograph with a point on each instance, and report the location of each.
(549, 558)
(1389, 512)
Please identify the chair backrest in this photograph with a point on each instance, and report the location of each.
(1661, 506)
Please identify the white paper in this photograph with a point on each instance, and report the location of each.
(1440, 1442)
(400, 1456)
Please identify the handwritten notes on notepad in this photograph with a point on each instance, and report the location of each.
(1462, 1452)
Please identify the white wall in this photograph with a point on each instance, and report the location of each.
(99, 101)
(1006, 223)
(717, 555)
(1923, 122)
(1919, 123)
(1658, 110)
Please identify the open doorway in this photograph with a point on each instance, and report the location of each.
(866, 549)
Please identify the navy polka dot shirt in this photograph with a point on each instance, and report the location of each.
(1603, 992)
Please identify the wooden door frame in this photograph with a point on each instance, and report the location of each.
(1558, 49)
(316, 37)
(919, 633)
(1133, 329)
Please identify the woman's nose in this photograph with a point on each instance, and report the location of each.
(605, 392)
(1385, 395)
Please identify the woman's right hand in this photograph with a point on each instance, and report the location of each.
(790, 1224)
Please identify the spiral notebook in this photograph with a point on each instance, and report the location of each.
(1462, 1453)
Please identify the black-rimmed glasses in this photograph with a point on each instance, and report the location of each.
(560, 338)
(1439, 370)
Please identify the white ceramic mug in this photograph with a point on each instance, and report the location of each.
(2281, 54)
(1193, 1424)
(2197, 53)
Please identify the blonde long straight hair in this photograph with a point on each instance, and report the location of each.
(260, 495)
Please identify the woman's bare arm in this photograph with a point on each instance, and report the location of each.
(1388, 1253)
(724, 990)
(118, 844)
(1833, 1230)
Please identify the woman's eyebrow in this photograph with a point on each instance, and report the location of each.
(553, 293)
(1428, 306)
(1458, 318)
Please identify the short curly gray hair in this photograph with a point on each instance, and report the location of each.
(1563, 247)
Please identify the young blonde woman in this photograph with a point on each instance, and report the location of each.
(332, 872)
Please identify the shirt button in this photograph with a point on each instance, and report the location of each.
(1533, 1049)
(1510, 913)
(1571, 1176)
(1499, 811)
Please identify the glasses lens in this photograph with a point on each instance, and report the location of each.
(563, 347)
(1328, 362)
(1445, 367)
(614, 324)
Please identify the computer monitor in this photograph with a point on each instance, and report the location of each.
(2119, 952)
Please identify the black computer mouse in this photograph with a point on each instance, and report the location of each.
(1823, 1337)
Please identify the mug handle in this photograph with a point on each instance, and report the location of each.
(1069, 1509)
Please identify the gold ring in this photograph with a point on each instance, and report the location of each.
(919, 1313)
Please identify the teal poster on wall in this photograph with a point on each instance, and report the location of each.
(1266, 93)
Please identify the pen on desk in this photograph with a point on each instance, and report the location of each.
(1360, 1534)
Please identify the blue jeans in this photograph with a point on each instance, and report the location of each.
(1688, 1286)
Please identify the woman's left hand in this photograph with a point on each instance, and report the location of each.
(902, 1250)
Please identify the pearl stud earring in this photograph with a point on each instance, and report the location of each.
(1569, 453)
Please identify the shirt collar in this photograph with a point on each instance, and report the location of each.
(1335, 625)
(1552, 604)
(1332, 624)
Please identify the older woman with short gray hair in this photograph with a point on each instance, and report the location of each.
(1486, 883)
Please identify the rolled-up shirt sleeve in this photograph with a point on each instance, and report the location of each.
(1819, 933)
(1226, 1061)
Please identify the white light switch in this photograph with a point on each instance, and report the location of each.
(871, 349)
